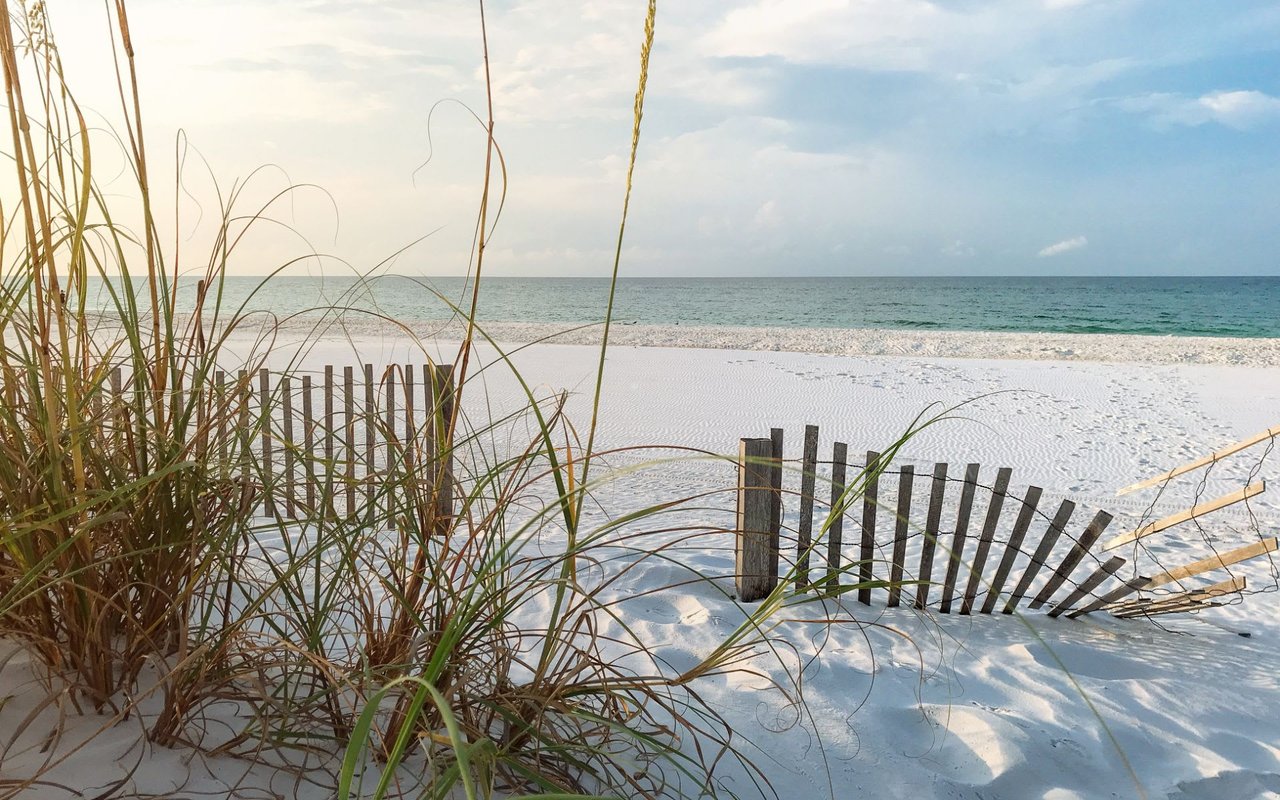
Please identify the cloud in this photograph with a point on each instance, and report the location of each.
(1241, 109)
(1064, 246)
(959, 249)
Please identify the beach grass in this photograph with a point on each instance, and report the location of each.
(405, 650)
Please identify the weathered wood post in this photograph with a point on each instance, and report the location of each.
(775, 515)
(808, 481)
(753, 556)
(442, 391)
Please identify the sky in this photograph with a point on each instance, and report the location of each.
(780, 137)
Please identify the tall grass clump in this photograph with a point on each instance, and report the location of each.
(113, 518)
(453, 630)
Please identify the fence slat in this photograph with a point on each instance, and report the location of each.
(242, 394)
(1215, 562)
(409, 433)
(308, 445)
(1214, 457)
(867, 551)
(1138, 608)
(330, 468)
(264, 408)
(370, 423)
(752, 542)
(962, 533)
(1181, 608)
(444, 483)
(349, 435)
(1041, 555)
(835, 531)
(220, 385)
(1123, 590)
(998, 494)
(1092, 582)
(1012, 549)
(932, 527)
(775, 507)
(290, 448)
(808, 478)
(1078, 551)
(1200, 510)
(906, 476)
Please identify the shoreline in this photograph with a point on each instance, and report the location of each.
(999, 345)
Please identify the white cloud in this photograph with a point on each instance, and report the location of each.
(768, 216)
(1239, 109)
(959, 249)
(1064, 246)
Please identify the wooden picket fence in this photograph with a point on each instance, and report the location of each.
(976, 575)
(299, 458)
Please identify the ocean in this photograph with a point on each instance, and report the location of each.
(1161, 306)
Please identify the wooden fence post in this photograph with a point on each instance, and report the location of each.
(370, 423)
(958, 540)
(308, 445)
(1091, 533)
(1041, 555)
(775, 503)
(906, 478)
(808, 479)
(1013, 548)
(268, 476)
(932, 529)
(986, 537)
(349, 436)
(752, 557)
(866, 551)
(442, 391)
(835, 531)
(290, 446)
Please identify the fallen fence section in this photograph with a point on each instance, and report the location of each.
(1051, 558)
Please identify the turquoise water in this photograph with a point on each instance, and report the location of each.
(1226, 306)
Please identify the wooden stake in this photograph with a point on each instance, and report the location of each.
(1041, 555)
(1215, 562)
(264, 407)
(1217, 455)
(751, 551)
(330, 466)
(1137, 608)
(1090, 583)
(370, 423)
(1123, 590)
(1091, 533)
(998, 493)
(349, 443)
(444, 485)
(1185, 516)
(246, 454)
(932, 528)
(410, 437)
(808, 478)
(1013, 548)
(290, 446)
(906, 477)
(775, 506)
(867, 550)
(835, 531)
(962, 532)
(308, 444)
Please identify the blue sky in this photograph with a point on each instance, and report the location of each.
(782, 137)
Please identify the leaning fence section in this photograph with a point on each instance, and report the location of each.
(947, 539)
(327, 444)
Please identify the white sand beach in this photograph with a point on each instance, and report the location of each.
(900, 704)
